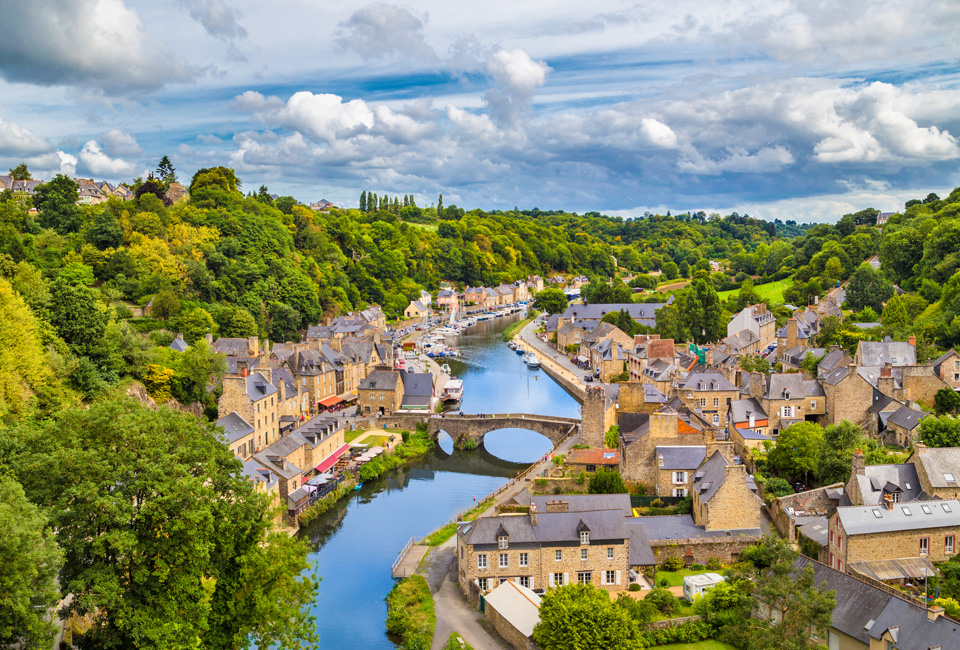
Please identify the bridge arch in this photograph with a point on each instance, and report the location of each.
(474, 427)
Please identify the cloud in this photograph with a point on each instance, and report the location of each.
(92, 44)
(518, 77)
(97, 162)
(322, 117)
(120, 143)
(380, 30)
(740, 161)
(218, 19)
(658, 133)
(15, 140)
(54, 162)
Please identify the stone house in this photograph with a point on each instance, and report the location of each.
(418, 391)
(643, 313)
(938, 469)
(569, 334)
(710, 393)
(862, 535)
(591, 459)
(660, 374)
(447, 299)
(788, 398)
(577, 539)
(648, 348)
(749, 414)
(872, 485)
(848, 396)
(903, 426)
(757, 320)
(742, 343)
(723, 497)
(608, 358)
(947, 368)
(239, 347)
(676, 467)
(879, 353)
(799, 330)
(642, 433)
(239, 435)
(380, 393)
(313, 374)
(255, 399)
(474, 296)
(534, 284)
(415, 310)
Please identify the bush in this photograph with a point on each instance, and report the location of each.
(635, 586)
(778, 487)
(410, 613)
(663, 582)
(714, 564)
(557, 490)
(540, 482)
(657, 503)
(663, 600)
(405, 435)
(606, 482)
(697, 567)
(559, 459)
(581, 477)
(691, 632)
(673, 564)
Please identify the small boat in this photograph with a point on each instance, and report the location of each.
(357, 486)
(519, 350)
(532, 360)
(453, 391)
(512, 345)
(445, 368)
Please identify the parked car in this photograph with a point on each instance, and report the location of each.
(588, 378)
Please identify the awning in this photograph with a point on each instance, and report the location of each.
(904, 568)
(319, 479)
(330, 401)
(582, 359)
(332, 459)
(349, 396)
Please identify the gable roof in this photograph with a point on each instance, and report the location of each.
(907, 418)
(380, 380)
(235, 426)
(517, 604)
(710, 476)
(878, 353)
(742, 409)
(588, 502)
(708, 380)
(681, 457)
(863, 520)
(938, 462)
(878, 480)
(258, 387)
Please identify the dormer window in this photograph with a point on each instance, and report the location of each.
(700, 386)
(502, 542)
(584, 536)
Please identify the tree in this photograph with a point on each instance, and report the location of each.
(943, 431)
(166, 305)
(550, 300)
(867, 288)
(78, 315)
(777, 487)
(21, 173)
(105, 232)
(583, 617)
(623, 321)
(56, 201)
(195, 324)
(163, 537)
(836, 452)
(895, 314)
(797, 450)
(29, 562)
(606, 482)
(611, 439)
(946, 401)
(77, 273)
(754, 363)
(166, 174)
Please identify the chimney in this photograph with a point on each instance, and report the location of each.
(888, 501)
(913, 343)
(243, 369)
(858, 466)
(660, 460)
(919, 448)
(533, 514)
(887, 370)
(266, 345)
(934, 613)
(208, 336)
(833, 347)
(253, 345)
(558, 506)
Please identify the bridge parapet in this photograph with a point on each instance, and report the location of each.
(474, 427)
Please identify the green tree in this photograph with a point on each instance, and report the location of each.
(943, 431)
(797, 450)
(550, 300)
(78, 274)
(166, 174)
(105, 232)
(611, 439)
(895, 314)
(836, 452)
(671, 271)
(21, 173)
(946, 401)
(583, 617)
(56, 201)
(623, 321)
(606, 482)
(867, 288)
(777, 487)
(754, 363)
(163, 537)
(29, 562)
(78, 315)
(166, 305)
(195, 324)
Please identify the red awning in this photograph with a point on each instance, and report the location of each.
(331, 401)
(332, 459)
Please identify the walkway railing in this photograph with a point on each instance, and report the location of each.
(403, 553)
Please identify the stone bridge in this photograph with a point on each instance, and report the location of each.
(474, 427)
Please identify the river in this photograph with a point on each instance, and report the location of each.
(355, 544)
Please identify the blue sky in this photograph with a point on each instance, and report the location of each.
(781, 109)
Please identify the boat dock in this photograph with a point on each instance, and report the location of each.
(409, 559)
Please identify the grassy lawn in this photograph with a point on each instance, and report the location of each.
(700, 645)
(683, 609)
(676, 577)
(772, 291)
(350, 436)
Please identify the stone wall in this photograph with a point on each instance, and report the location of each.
(594, 416)
(814, 502)
(703, 549)
(921, 383)
(849, 399)
(472, 427)
(733, 505)
(507, 631)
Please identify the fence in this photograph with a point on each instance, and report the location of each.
(403, 554)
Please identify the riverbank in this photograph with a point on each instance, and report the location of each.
(549, 362)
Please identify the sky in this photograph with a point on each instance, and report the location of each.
(789, 109)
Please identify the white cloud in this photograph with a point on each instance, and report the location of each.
(740, 161)
(379, 30)
(48, 164)
(93, 159)
(322, 117)
(87, 43)
(658, 133)
(218, 18)
(15, 140)
(518, 77)
(120, 143)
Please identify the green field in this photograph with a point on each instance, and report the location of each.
(676, 577)
(772, 291)
(700, 645)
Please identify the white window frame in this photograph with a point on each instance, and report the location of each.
(716, 419)
(502, 542)
(584, 577)
(924, 546)
(558, 555)
(716, 401)
(525, 581)
(524, 559)
(504, 560)
(679, 478)
(609, 552)
(611, 577)
(949, 543)
(786, 411)
(680, 492)
(482, 561)
(584, 537)
(583, 555)
(482, 582)
(558, 579)
(703, 402)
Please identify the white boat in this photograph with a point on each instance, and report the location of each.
(446, 331)
(512, 345)
(445, 368)
(453, 391)
(532, 360)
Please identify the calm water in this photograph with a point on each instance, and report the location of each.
(356, 543)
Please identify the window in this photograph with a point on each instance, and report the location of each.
(703, 401)
(558, 555)
(926, 510)
(504, 560)
(611, 577)
(840, 542)
(813, 405)
(502, 580)
(482, 561)
(584, 577)
(525, 581)
(906, 512)
(948, 543)
(949, 478)
(716, 419)
(956, 364)
(786, 412)
(831, 537)
(482, 582)
(716, 401)
(610, 553)
(584, 537)
(946, 507)
(877, 513)
(502, 542)
(558, 579)
(679, 492)
(679, 478)
(524, 559)
(924, 546)
(583, 554)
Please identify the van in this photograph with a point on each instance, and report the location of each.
(694, 586)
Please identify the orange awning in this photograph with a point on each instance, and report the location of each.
(331, 401)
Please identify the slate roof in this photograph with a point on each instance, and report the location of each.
(232, 347)
(633, 426)
(793, 384)
(551, 528)
(742, 409)
(380, 380)
(907, 418)
(878, 353)
(862, 520)
(830, 361)
(681, 457)
(235, 426)
(640, 552)
(637, 311)
(258, 474)
(938, 462)
(710, 476)
(286, 377)
(835, 377)
(416, 304)
(881, 402)
(417, 383)
(179, 345)
(706, 381)
(587, 502)
(258, 387)
(551, 324)
(878, 480)
(658, 370)
(750, 434)
(610, 350)
(682, 527)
